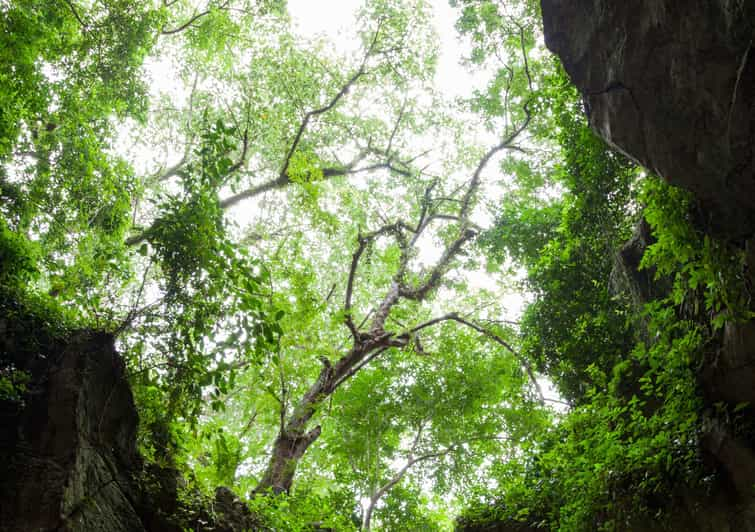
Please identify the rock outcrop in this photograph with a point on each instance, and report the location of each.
(640, 285)
(672, 85)
(69, 449)
(68, 456)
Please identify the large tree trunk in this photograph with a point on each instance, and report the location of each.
(281, 469)
(293, 438)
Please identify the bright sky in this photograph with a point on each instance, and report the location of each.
(333, 18)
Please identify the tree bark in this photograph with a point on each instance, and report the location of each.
(287, 451)
(293, 439)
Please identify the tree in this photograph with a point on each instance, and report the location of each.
(245, 330)
(296, 161)
(372, 340)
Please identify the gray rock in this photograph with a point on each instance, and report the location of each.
(672, 85)
(67, 460)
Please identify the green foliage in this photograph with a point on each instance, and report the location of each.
(12, 384)
(189, 234)
(708, 275)
(567, 246)
(228, 314)
(17, 258)
(633, 434)
(407, 510)
(500, 30)
(31, 328)
(305, 511)
(60, 185)
(614, 460)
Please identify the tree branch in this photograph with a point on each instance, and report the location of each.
(76, 14)
(358, 367)
(432, 281)
(500, 341)
(193, 19)
(327, 107)
(350, 286)
(176, 168)
(411, 461)
(466, 201)
(134, 312)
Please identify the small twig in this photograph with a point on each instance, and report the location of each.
(453, 316)
(497, 339)
(133, 313)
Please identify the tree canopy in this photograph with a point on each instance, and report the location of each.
(304, 253)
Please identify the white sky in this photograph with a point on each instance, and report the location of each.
(333, 18)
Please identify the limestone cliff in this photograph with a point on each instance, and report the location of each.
(672, 85)
(68, 451)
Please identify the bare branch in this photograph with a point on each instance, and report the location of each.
(361, 71)
(358, 367)
(425, 207)
(524, 55)
(419, 293)
(396, 125)
(377, 166)
(350, 286)
(176, 168)
(411, 461)
(330, 294)
(284, 179)
(134, 312)
(242, 156)
(430, 323)
(283, 397)
(466, 202)
(254, 191)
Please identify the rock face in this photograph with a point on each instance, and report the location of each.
(68, 457)
(68, 451)
(672, 85)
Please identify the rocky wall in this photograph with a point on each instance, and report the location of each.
(672, 85)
